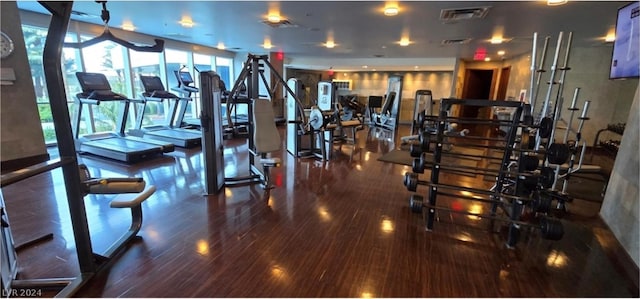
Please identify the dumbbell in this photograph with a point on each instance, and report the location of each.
(411, 181)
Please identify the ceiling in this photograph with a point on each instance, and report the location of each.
(361, 31)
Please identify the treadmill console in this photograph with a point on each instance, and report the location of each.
(96, 86)
(185, 80)
(154, 88)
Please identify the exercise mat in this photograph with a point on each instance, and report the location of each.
(398, 157)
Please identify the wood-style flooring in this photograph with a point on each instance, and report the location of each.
(341, 228)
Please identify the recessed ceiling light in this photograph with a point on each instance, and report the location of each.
(556, 2)
(391, 11)
(404, 42)
(128, 27)
(267, 44)
(496, 40)
(330, 44)
(186, 22)
(611, 37)
(365, 66)
(487, 59)
(220, 46)
(501, 52)
(274, 18)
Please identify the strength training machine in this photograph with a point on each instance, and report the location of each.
(264, 136)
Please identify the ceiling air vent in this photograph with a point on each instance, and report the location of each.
(280, 24)
(459, 41)
(456, 14)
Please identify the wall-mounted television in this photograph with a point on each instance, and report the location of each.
(625, 61)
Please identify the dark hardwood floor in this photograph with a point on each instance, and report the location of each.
(336, 229)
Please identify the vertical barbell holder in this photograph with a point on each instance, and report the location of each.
(552, 77)
(538, 74)
(559, 97)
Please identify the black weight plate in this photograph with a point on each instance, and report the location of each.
(541, 203)
(558, 153)
(547, 177)
(415, 150)
(529, 163)
(546, 126)
(415, 203)
(527, 120)
(417, 166)
(551, 229)
(411, 181)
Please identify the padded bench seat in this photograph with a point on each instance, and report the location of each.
(130, 200)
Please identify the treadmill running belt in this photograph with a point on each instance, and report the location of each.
(121, 144)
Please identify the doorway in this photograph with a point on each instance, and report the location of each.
(478, 85)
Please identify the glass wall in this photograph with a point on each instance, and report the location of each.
(224, 67)
(106, 58)
(34, 42)
(147, 64)
(123, 69)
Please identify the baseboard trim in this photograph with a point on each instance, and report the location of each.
(15, 164)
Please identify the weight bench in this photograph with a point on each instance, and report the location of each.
(131, 193)
(266, 137)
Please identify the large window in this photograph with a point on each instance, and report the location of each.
(123, 69)
(147, 64)
(106, 58)
(176, 61)
(34, 38)
(224, 67)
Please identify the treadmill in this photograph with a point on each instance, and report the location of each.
(154, 91)
(113, 145)
(185, 89)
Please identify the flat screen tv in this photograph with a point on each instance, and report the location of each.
(625, 61)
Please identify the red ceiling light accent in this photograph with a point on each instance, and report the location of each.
(480, 54)
(280, 55)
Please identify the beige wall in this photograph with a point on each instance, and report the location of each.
(620, 208)
(375, 83)
(21, 135)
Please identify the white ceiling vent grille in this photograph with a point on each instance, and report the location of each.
(458, 41)
(280, 24)
(456, 14)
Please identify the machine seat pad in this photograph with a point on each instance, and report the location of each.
(116, 187)
(130, 200)
(351, 123)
